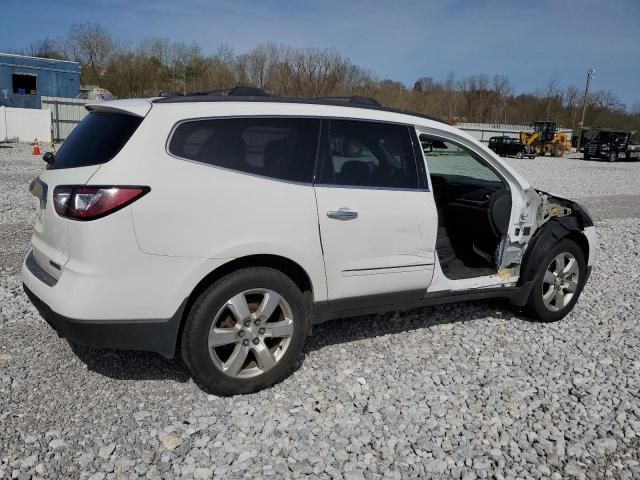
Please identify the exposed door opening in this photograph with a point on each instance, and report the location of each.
(474, 207)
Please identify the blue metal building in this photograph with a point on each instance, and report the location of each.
(23, 80)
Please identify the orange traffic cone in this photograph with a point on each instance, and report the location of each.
(36, 147)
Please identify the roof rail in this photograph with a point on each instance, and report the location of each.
(353, 100)
(253, 94)
(237, 91)
(243, 91)
(167, 94)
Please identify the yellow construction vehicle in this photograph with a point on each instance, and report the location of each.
(545, 139)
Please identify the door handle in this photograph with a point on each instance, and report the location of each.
(342, 214)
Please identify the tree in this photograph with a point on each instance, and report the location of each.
(47, 48)
(91, 45)
(450, 96)
(571, 98)
(551, 97)
(155, 65)
(311, 72)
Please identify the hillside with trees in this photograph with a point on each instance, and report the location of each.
(156, 65)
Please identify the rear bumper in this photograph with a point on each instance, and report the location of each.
(158, 336)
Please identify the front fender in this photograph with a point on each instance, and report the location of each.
(542, 241)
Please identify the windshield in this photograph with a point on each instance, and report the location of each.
(608, 136)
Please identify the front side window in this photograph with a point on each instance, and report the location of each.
(368, 154)
(449, 159)
(282, 148)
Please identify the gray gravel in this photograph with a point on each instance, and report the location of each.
(575, 177)
(461, 391)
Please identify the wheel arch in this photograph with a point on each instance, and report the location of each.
(549, 234)
(285, 265)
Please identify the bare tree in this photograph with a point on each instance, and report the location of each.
(48, 48)
(572, 101)
(91, 45)
(256, 67)
(312, 72)
(550, 96)
(605, 100)
(502, 89)
(155, 65)
(450, 95)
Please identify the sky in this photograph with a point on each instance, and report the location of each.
(528, 41)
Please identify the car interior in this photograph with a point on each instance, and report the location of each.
(368, 154)
(474, 207)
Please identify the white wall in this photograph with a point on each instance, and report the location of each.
(25, 124)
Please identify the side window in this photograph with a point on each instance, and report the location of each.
(283, 148)
(449, 159)
(368, 154)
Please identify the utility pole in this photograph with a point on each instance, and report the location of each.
(590, 75)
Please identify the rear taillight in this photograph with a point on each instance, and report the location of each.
(89, 203)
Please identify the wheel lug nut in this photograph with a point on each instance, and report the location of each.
(247, 323)
(245, 342)
(257, 322)
(241, 333)
(256, 341)
(262, 331)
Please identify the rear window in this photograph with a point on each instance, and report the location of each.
(96, 140)
(282, 148)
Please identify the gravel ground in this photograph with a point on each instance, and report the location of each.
(461, 391)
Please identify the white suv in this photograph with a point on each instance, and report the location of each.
(224, 226)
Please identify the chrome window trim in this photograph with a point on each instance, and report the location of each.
(359, 187)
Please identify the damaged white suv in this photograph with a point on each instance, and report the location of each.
(221, 227)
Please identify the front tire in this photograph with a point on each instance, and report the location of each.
(245, 332)
(538, 149)
(559, 282)
(613, 156)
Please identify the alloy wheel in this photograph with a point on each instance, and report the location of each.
(560, 281)
(251, 333)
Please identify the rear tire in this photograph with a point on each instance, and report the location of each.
(587, 156)
(519, 155)
(557, 150)
(245, 332)
(559, 283)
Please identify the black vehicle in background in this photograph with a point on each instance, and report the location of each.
(507, 146)
(611, 145)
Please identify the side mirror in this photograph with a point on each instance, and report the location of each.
(48, 157)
